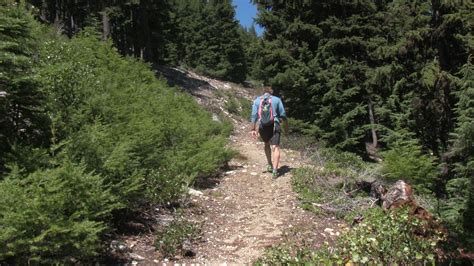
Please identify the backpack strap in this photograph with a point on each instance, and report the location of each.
(260, 108)
(262, 98)
(271, 107)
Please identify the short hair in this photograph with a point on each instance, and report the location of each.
(268, 89)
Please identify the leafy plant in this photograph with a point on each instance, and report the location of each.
(406, 161)
(54, 215)
(170, 240)
(381, 238)
(245, 108)
(111, 113)
(387, 238)
(232, 106)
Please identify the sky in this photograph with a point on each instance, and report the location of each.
(245, 12)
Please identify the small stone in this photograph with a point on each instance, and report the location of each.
(253, 173)
(194, 192)
(118, 246)
(136, 256)
(328, 230)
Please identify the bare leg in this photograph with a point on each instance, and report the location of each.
(276, 156)
(268, 153)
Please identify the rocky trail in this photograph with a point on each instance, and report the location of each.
(244, 210)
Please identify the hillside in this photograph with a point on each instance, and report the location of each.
(241, 211)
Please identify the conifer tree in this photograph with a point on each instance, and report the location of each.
(22, 121)
(463, 147)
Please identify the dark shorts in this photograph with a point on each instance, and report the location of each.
(270, 133)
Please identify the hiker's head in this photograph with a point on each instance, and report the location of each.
(268, 89)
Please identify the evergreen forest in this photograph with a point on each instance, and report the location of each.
(89, 133)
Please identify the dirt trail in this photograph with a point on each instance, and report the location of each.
(245, 210)
(248, 210)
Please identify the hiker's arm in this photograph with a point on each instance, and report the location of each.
(284, 121)
(253, 119)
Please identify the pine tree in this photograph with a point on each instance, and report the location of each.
(22, 120)
(463, 147)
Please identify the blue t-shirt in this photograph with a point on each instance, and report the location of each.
(277, 106)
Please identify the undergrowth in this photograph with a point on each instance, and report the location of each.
(172, 240)
(385, 238)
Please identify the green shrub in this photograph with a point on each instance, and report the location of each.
(169, 241)
(53, 215)
(300, 136)
(320, 186)
(406, 161)
(381, 238)
(284, 254)
(147, 140)
(388, 238)
(232, 106)
(245, 108)
(332, 158)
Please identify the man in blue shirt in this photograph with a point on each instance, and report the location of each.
(269, 133)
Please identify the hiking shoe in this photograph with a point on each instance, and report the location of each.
(269, 168)
(274, 174)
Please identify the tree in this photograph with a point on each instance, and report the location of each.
(22, 117)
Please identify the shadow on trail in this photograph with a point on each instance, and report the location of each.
(209, 182)
(179, 78)
(284, 169)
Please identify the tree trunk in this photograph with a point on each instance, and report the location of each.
(372, 122)
(105, 25)
(371, 148)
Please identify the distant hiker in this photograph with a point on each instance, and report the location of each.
(269, 113)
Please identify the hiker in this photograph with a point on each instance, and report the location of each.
(269, 113)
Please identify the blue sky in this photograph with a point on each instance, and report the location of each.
(245, 12)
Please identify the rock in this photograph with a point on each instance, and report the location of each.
(188, 249)
(357, 219)
(328, 230)
(136, 256)
(194, 192)
(118, 246)
(253, 173)
(216, 118)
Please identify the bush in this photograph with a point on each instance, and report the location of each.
(112, 114)
(406, 161)
(389, 238)
(232, 106)
(53, 215)
(382, 238)
(340, 162)
(170, 240)
(246, 108)
(322, 191)
(300, 136)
